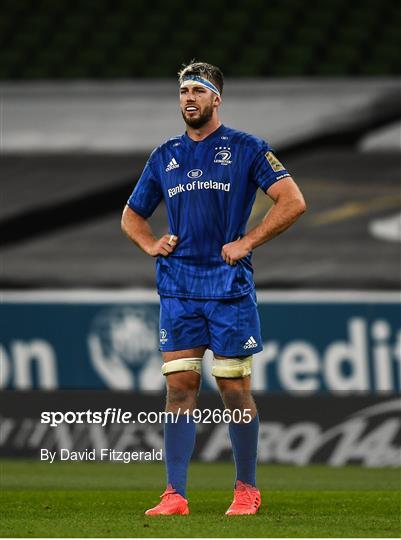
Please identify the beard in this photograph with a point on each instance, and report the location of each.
(201, 120)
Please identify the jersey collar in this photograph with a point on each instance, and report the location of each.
(193, 144)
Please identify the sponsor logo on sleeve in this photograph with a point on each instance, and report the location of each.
(275, 164)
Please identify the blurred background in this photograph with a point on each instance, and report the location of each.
(88, 90)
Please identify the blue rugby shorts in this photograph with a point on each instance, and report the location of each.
(229, 327)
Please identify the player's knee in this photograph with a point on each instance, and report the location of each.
(182, 395)
(235, 397)
(184, 381)
(238, 385)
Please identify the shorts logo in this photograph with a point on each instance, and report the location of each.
(251, 343)
(163, 336)
(223, 155)
(195, 173)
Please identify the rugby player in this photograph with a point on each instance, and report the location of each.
(208, 178)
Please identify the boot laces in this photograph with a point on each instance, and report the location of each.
(245, 496)
(168, 492)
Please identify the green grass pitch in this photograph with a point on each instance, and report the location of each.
(108, 500)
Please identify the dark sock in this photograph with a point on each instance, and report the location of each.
(244, 439)
(179, 442)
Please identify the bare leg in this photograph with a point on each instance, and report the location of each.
(236, 393)
(183, 386)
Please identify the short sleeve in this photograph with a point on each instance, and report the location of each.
(266, 169)
(147, 193)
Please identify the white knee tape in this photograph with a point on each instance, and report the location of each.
(182, 364)
(232, 367)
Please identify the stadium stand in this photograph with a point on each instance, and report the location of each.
(124, 38)
(72, 154)
(89, 89)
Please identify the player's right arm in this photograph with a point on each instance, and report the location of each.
(140, 206)
(138, 229)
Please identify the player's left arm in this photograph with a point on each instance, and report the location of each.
(289, 205)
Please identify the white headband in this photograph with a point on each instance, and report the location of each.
(193, 79)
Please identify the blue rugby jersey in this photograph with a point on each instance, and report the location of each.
(209, 188)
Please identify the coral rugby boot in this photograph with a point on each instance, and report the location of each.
(246, 500)
(171, 504)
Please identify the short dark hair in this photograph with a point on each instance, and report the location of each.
(203, 69)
